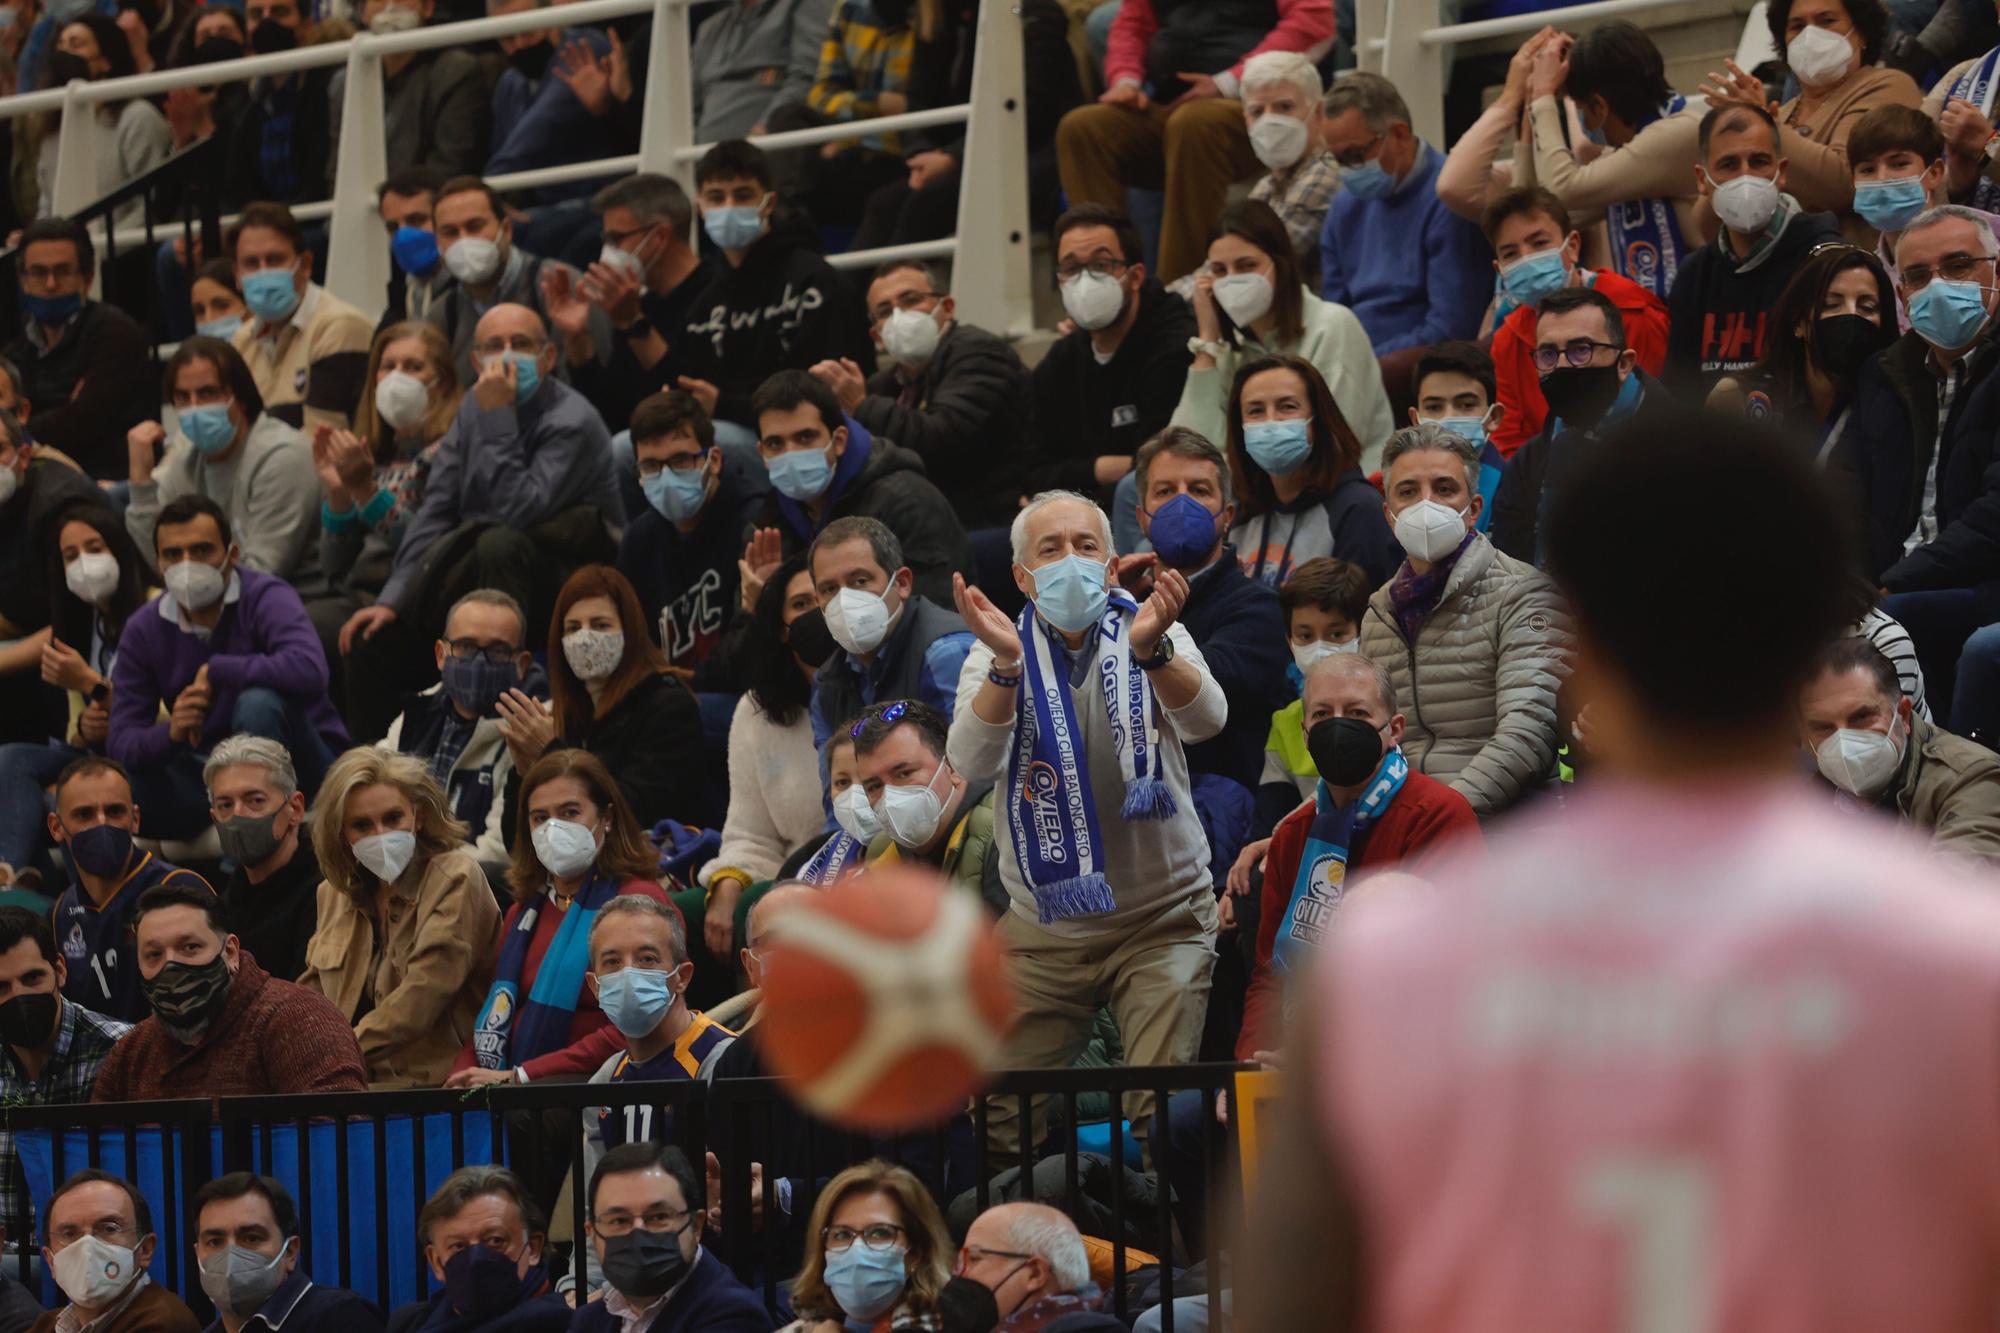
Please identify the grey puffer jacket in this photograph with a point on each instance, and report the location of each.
(1478, 687)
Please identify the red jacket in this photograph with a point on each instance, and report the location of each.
(1305, 26)
(1425, 818)
(1520, 387)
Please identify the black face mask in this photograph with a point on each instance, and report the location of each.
(28, 1019)
(810, 639)
(1581, 395)
(967, 1306)
(642, 1265)
(1345, 750)
(65, 67)
(1842, 342)
(269, 38)
(531, 60)
(215, 49)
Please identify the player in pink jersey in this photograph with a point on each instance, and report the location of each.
(1693, 1052)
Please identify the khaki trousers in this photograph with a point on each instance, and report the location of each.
(1154, 976)
(1194, 153)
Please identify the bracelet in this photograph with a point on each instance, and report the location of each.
(377, 508)
(333, 522)
(721, 873)
(1004, 682)
(1012, 668)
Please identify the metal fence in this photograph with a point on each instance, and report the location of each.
(360, 1165)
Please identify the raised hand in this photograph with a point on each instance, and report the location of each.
(564, 302)
(1733, 84)
(527, 727)
(849, 385)
(1207, 320)
(1966, 131)
(1158, 612)
(585, 75)
(1135, 572)
(988, 623)
(1551, 66)
(351, 462)
(615, 291)
(64, 667)
(762, 555)
(495, 387)
(142, 444)
(1515, 92)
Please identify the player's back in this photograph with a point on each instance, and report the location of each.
(1672, 1064)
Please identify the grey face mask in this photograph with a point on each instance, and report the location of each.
(249, 840)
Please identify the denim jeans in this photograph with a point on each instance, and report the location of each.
(173, 799)
(1940, 622)
(1975, 698)
(25, 773)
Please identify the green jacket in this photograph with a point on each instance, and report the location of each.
(969, 860)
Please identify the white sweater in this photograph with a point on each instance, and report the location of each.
(776, 802)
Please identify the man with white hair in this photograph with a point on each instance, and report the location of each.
(1029, 1261)
(1082, 708)
(260, 818)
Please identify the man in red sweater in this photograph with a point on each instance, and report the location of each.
(1372, 812)
(1535, 252)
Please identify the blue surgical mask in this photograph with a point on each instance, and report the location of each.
(801, 474)
(1071, 593)
(1596, 136)
(1470, 429)
(271, 294)
(51, 310)
(1531, 277)
(678, 496)
(866, 1282)
(1367, 181)
(635, 999)
(415, 251)
(1279, 447)
(1948, 314)
(208, 428)
(1890, 205)
(222, 326)
(527, 375)
(734, 227)
(1182, 532)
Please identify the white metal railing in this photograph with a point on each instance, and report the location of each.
(993, 292)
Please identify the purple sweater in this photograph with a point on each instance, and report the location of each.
(263, 639)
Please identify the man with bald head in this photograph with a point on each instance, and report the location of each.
(521, 491)
(1028, 1261)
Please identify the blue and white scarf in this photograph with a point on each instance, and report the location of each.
(1322, 876)
(510, 1031)
(1052, 814)
(832, 859)
(1977, 86)
(1645, 234)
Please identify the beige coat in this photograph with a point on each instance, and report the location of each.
(1478, 689)
(428, 978)
(1951, 786)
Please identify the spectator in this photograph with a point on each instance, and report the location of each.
(1536, 254)
(954, 395)
(864, 588)
(1590, 381)
(248, 1251)
(576, 848)
(1900, 168)
(680, 552)
(53, 1050)
(1117, 908)
(306, 348)
(99, 1241)
(475, 236)
(521, 491)
(35, 494)
(253, 466)
(228, 650)
(259, 816)
(774, 305)
(436, 104)
(1389, 206)
(640, 972)
(1295, 468)
(279, 144)
(899, 760)
(1248, 303)
(1868, 741)
(833, 852)
(643, 286)
(1030, 1259)
(646, 1224)
(454, 726)
(1281, 92)
(1837, 308)
(775, 797)
(214, 302)
(94, 820)
(879, 1252)
(1961, 104)
(538, 120)
(406, 922)
(1456, 387)
(80, 363)
(863, 72)
(1478, 640)
(1371, 811)
(92, 47)
(1112, 382)
(825, 466)
(1718, 313)
(751, 58)
(485, 1241)
(1832, 49)
(407, 200)
(1169, 112)
(221, 1026)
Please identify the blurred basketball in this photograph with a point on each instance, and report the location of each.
(885, 1000)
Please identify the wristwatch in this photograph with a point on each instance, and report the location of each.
(638, 328)
(1161, 655)
(1213, 348)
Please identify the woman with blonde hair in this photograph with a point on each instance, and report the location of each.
(406, 919)
(877, 1255)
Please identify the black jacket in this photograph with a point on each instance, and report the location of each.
(103, 355)
(1719, 314)
(783, 308)
(898, 665)
(1535, 472)
(618, 383)
(275, 919)
(1236, 623)
(693, 576)
(651, 742)
(1083, 411)
(966, 416)
(312, 137)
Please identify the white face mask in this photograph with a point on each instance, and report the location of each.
(1747, 203)
(394, 18)
(92, 576)
(623, 260)
(1819, 56)
(473, 259)
(858, 620)
(401, 399)
(565, 848)
(387, 855)
(1861, 763)
(1278, 141)
(195, 585)
(1244, 296)
(1093, 300)
(1305, 654)
(92, 1273)
(1430, 530)
(911, 814)
(910, 337)
(593, 653)
(854, 815)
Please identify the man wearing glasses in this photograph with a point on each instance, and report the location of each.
(1029, 1261)
(1591, 380)
(646, 1221)
(100, 1238)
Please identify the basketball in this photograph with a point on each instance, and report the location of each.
(885, 1001)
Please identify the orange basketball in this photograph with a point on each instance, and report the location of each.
(885, 1000)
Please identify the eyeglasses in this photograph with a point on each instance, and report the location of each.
(49, 273)
(521, 342)
(653, 467)
(656, 1219)
(968, 1255)
(1354, 157)
(876, 1236)
(1102, 267)
(1952, 268)
(499, 654)
(1577, 352)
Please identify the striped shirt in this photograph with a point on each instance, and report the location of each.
(691, 1057)
(860, 60)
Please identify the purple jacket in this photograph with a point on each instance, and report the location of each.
(263, 639)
